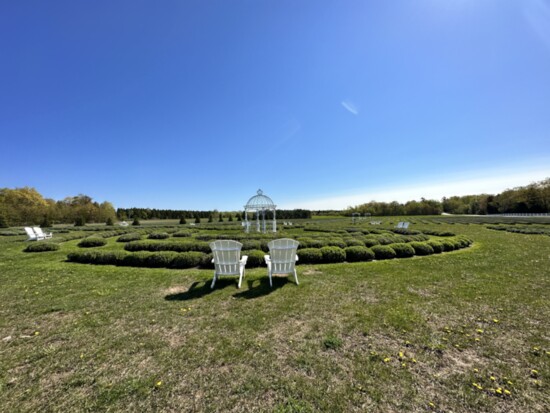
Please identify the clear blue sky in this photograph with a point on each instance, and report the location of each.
(197, 104)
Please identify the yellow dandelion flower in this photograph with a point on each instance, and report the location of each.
(401, 355)
(507, 392)
(536, 348)
(493, 378)
(499, 390)
(476, 370)
(36, 333)
(479, 330)
(477, 339)
(158, 383)
(82, 355)
(431, 404)
(510, 383)
(387, 359)
(533, 372)
(477, 386)
(414, 360)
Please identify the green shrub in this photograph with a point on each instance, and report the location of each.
(4, 220)
(358, 253)
(371, 242)
(41, 247)
(133, 236)
(251, 244)
(403, 250)
(448, 245)
(181, 234)
(255, 258)
(109, 222)
(136, 222)
(79, 222)
(310, 256)
(92, 242)
(167, 246)
(422, 248)
(189, 259)
(311, 243)
(158, 235)
(354, 242)
(336, 242)
(183, 221)
(383, 252)
(436, 246)
(333, 254)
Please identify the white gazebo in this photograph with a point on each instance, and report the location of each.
(259, 204)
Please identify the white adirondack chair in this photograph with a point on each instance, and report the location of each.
(227, 259)
(399, 225)
(32, 235)
(282, 258)
(38, 231)
(405, 225)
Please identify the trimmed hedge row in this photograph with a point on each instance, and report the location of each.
(154, 246)
(92, 242)
(158, 235)
(165, 259)
(132, 236)
(41, 247)
(188, 258)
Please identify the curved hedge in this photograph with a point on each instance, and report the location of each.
(333, 254)
(310, 256)
(422, 248)
(255, 258)
(154, 246)
(132, 236)
(92, 242)
(403, 250)
(158, 235)
(165, 259)
(358, 253)
(41, 247)
(436, 246)
(383, 252)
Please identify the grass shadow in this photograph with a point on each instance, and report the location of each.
(262, 288)
(195, 291)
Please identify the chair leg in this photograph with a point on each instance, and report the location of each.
(296, 277)
(241, 278)
(213, 281)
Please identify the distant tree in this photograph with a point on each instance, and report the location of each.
(220, 218)
(183, 221)
(210, 219)
(46, 222)
(230, 218)
(79, 222)
(3, 220)
(109, 222)
(136, 222)
(197, 219)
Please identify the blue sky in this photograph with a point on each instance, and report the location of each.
(322, 104)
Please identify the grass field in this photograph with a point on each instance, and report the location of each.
(463, 331)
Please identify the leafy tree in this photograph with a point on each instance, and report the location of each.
(136, 222)
(183, 221)
(79, 222)
(109, 222)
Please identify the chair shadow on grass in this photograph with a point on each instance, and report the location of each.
(260, 288)
(196, 290)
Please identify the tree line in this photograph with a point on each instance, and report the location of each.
(152, 213)
(533, 198)
(26, 206)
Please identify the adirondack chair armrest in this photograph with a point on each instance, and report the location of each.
(296, 257)
(243, 260)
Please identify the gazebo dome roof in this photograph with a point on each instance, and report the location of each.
(260, 201)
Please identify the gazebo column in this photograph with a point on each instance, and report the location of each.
(246, 223)
(263, 221)
(274, 222)
(258, 221)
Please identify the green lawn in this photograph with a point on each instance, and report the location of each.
(463, 331)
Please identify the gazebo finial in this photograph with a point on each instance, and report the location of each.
(260, 192)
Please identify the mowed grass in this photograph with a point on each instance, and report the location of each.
(465, 331)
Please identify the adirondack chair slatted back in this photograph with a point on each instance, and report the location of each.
(227, 254)
(282, 253)
(30, 233)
